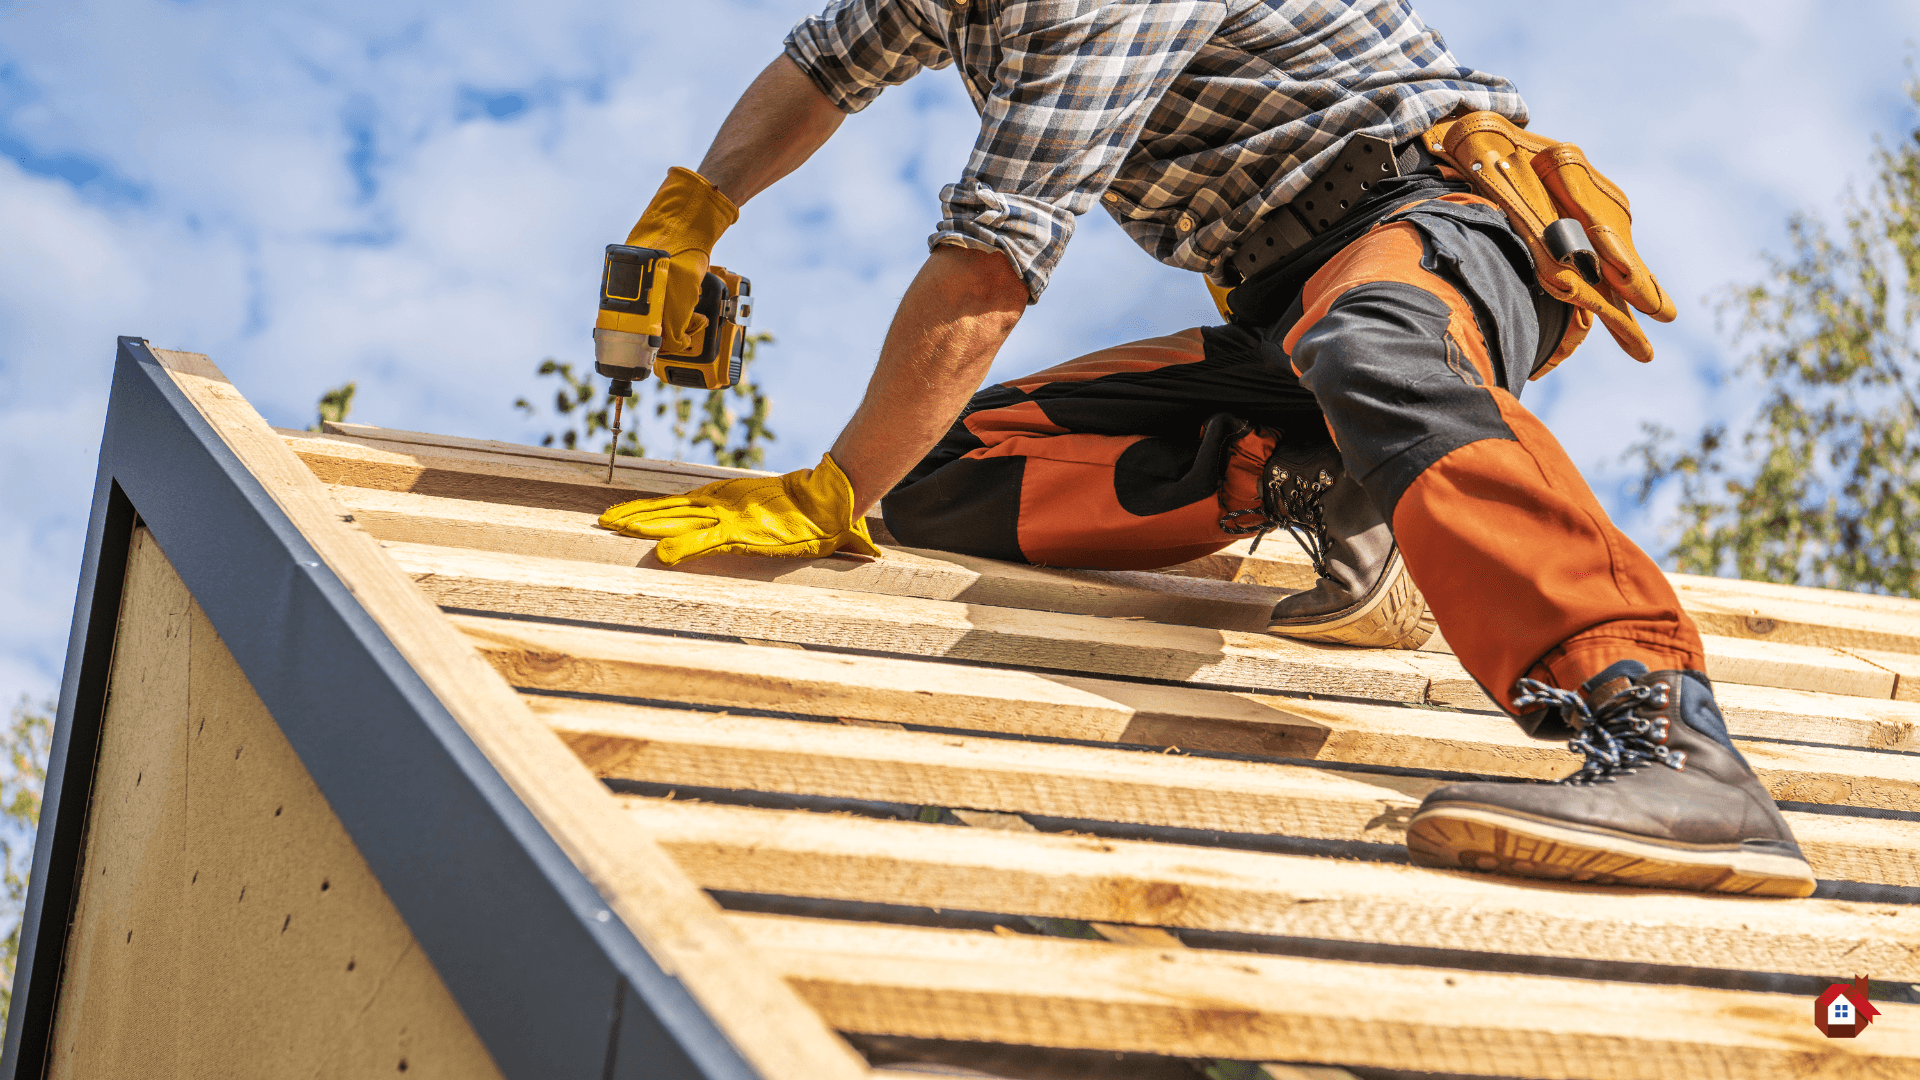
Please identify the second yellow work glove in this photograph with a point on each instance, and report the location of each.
(685, 219)
(802, 515)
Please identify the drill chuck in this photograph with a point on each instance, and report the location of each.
(623, 356)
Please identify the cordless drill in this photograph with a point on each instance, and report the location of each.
(626, 336)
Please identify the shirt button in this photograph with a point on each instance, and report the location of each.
(1111, 196)
(1185, 224)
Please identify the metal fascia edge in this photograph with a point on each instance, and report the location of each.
(514, 929)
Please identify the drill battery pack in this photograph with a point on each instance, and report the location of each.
(726, 299)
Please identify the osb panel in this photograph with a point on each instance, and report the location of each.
(226, 925)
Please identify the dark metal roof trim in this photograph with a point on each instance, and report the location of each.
(553, 985)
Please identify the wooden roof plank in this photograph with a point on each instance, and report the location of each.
(588, 660)
(390, 459)
(1761, 712)
(673, 919)
(949, 984)
(629, 596)
(674, 747)
(934, 575)
(839, 857)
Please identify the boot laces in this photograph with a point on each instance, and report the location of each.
(1290, 499)
(1614, 740)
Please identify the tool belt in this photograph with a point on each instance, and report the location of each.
(1574, 220)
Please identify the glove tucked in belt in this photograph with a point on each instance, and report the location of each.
(1540, 184)
(804, 515)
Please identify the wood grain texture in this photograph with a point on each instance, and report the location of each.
(1787, 666)
(587, 660)
(672, 918)
(1004, 777)
(1798, 615)
(1725, 607)
(666, 746)
(226, 925)
(932, 575)
(1759, 712)
(837, 857)
(952, 984)
(629, 596)
(1905, 668)
(1730, 662)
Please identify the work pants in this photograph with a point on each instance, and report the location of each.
(1408, 349)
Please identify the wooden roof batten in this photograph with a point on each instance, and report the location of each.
(959, 812)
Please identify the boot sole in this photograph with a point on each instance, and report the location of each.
(1392, 616)
(1466, 836)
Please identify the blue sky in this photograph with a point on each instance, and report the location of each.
(413, 196)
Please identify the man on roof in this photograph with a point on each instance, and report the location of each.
(1394, 257)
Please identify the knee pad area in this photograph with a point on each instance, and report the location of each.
(1397, 390)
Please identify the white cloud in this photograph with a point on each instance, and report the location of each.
(313, 193)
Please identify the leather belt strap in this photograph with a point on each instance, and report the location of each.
(1347, 181)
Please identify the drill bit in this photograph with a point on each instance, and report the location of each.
(614, 447)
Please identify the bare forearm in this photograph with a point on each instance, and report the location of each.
(951, 324)
(773, 129)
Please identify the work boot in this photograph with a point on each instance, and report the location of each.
(1365, 595)
(1663, 800)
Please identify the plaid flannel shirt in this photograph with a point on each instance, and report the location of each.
(1189, 120)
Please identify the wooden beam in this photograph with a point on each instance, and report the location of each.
(629, 596)
(1726, 607)
(1005, 777)
(481, 471)
(948, 984)
(667, 746)
(1730, 662)
(836, 857)
(1799, 615)
(1904, 666)
(591, 661)
(933, 575)
(678, 924)
(1761, 712)
(587, 460)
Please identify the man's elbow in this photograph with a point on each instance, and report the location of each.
(979, 280)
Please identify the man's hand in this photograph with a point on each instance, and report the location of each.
(685, 219)
(802, 515)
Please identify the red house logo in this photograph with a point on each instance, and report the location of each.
(1842, 1010)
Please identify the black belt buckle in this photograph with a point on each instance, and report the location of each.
(1346, 181)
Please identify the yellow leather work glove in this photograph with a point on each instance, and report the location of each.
(685, 219)
(802, 515)
(1601, 207)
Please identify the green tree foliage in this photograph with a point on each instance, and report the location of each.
(730, 423)
(1828, 489)
(29, 736)
(335, 404)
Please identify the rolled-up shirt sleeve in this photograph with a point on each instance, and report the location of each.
(857, 48)
(1076, 84)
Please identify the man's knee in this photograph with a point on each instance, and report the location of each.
(1398, 389)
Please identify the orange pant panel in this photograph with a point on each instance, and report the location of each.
(1520, 565)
